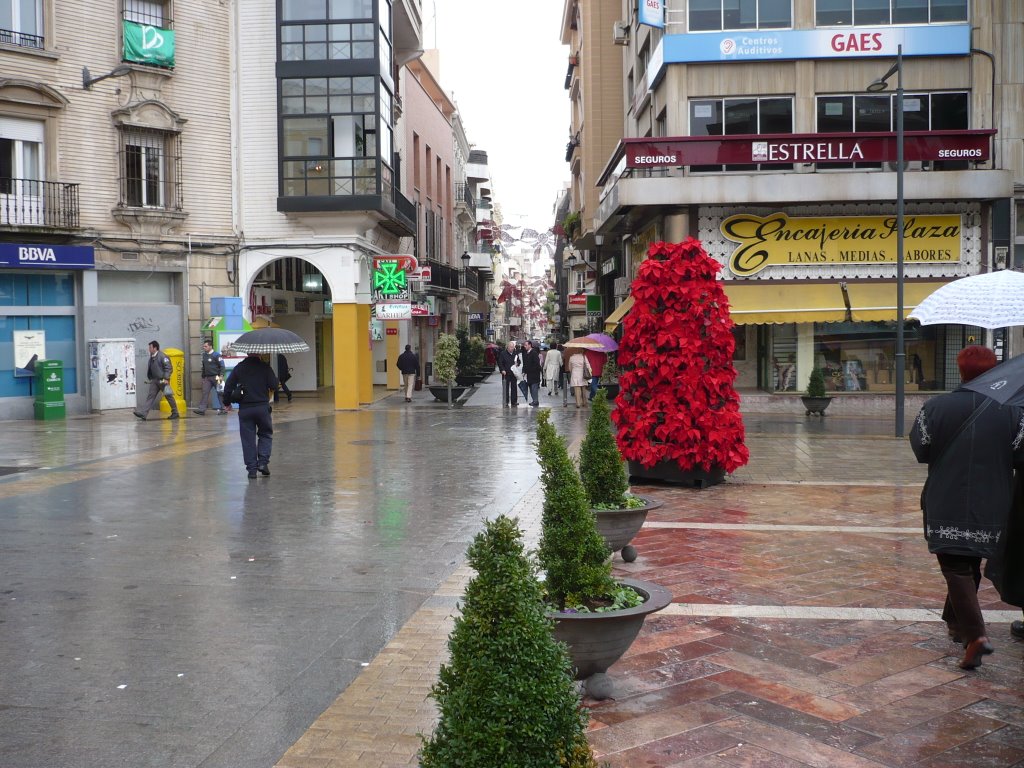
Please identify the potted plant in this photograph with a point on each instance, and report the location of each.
(597, 617)
(477, 356)
(506, 695)
(619, 514)
(446, 356)
(609, 380)
(678, 414)
(816, 401)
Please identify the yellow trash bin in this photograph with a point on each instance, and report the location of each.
(177, 381)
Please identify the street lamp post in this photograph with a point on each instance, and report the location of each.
(901, 355)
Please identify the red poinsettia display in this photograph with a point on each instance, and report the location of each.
(676, 397)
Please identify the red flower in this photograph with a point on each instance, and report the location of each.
(677, 401)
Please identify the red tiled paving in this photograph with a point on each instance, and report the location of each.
(743, 690)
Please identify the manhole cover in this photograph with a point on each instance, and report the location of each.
(371, 442)
(13, 470)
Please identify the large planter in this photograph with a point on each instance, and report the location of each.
(598, 640)
(440, 392)
(670, 472)
(468, 379)
(612, 390)
(815, 405)
(618, 526)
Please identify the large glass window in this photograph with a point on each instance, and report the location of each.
(22, 294)
(21, 23)
(733, 117)
(343, 30)
(832, 13)
(331, 135)
(720, 15)
(861, 113)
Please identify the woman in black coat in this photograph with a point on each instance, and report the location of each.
(967, 497)
(283, 374)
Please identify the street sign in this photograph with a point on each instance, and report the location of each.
(595, 306)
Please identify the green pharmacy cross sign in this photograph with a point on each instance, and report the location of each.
(146, 44)
(389, 279)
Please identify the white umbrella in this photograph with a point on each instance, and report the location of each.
(991, 300)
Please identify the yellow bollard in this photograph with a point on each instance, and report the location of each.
(177, 381)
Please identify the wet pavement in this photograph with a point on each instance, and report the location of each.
(157, 608)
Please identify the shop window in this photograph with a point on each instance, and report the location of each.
(861, 113)
(752, 115)
(834, 13)
(21, 23)
(722, 15)
(150, 169)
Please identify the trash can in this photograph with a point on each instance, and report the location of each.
(177, 381)
(49, 404)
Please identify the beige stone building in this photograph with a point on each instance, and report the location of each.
(115, 187)
(753, 128)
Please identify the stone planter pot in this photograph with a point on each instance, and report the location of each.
(612, 390)
(598, 640)
(815, 405)
(440, 392)
(618, 526)
(468, 379)
(670, 472)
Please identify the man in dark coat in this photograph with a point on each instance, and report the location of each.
(159, 376)
(255, 425)
(506, 361)
(967, 497)
(284, 372)
(532, 371)
(409, 366)
(211, 372)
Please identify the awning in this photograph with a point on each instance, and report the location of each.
(620, 312)
(767, 302)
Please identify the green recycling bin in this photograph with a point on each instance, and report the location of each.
(49, 404)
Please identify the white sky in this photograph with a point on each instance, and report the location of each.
(504, 65)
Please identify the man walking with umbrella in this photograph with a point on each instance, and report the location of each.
(971, 445)
(250, 383)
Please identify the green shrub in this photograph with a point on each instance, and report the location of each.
(602, 469)
(506, 697)
(465, 364)
(446, 357)
(477, 348)
(816, 384)
(572, 554)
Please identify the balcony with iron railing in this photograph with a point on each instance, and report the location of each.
(38, 204)
(20, 39)
(464, 196)
(443, 277)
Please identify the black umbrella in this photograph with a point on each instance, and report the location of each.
(264, 341)
(1004, 383)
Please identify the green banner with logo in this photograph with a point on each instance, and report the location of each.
(144, 44)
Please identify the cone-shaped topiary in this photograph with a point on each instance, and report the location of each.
(572, 554)
(816, 384)
(602, 469)
(506, 697)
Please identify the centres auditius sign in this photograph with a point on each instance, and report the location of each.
(766, 241)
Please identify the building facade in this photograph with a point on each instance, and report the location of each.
(756, 131)
(115, 187)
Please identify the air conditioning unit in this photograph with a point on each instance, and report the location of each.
(620, 33)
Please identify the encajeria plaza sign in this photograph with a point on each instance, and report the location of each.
(766, 241)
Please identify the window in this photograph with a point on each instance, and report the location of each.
(151, 13)
(861, 113)
(329, 130)
(829, 13)
(150, 168)
(720, 15)
(21, 23)
(731, 117)
(327, 30)
(21, 172)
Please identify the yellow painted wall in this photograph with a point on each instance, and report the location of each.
(346, 356)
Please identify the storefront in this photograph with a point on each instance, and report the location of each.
(40, 304)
